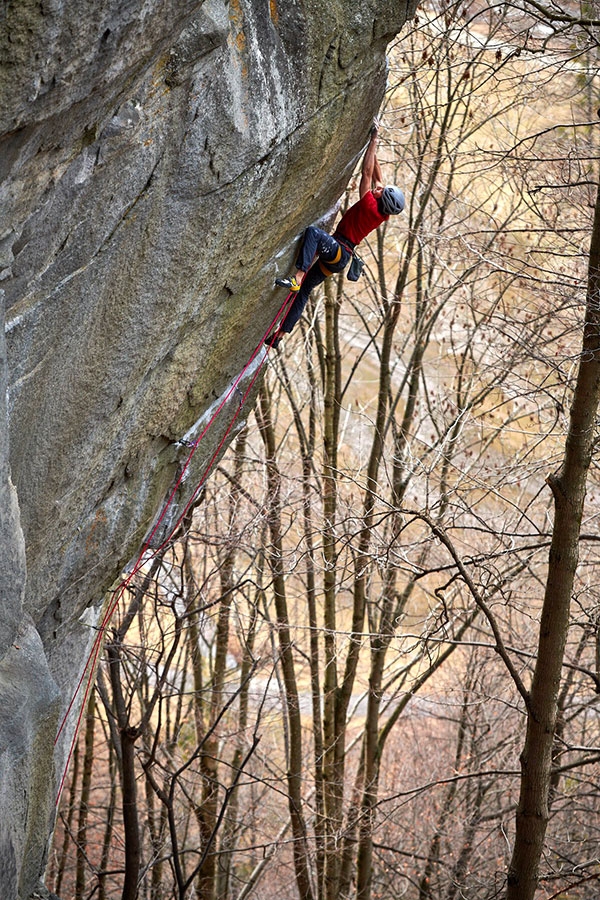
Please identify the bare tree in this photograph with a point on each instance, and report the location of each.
(568, 490)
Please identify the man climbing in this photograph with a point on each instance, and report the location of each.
(333, 252)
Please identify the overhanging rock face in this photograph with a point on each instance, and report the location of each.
(158, 159)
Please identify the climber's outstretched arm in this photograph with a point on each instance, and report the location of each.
(377, 174)
(371, 176)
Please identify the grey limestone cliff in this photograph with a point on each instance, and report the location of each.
(158, 159)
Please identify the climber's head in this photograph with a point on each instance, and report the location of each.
(391, 201)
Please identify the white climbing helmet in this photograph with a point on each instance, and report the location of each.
(392, 201)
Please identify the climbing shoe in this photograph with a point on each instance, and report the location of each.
(290, 283)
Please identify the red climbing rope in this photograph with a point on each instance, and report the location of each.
(143, 558)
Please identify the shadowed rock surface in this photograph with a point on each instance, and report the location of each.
(158, 159)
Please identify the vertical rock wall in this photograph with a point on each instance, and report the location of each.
(158, 159)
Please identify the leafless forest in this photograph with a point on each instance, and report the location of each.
(369, 666)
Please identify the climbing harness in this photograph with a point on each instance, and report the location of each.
(148, 552)
(357, 264)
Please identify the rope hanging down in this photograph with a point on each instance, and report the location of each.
(147, 553)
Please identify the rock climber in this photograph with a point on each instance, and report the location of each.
(333, 252)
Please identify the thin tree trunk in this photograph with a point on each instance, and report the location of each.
(307, 440)
(130, 817)
(230, 824)
(109, 826)
(433, 856)
(67, 823)
(462, 863)
(127, 738)
(294, 774)
(381, 639)
(208, 811)
(568, 489)
(84, 802)
(333, 736)
(155, 831)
